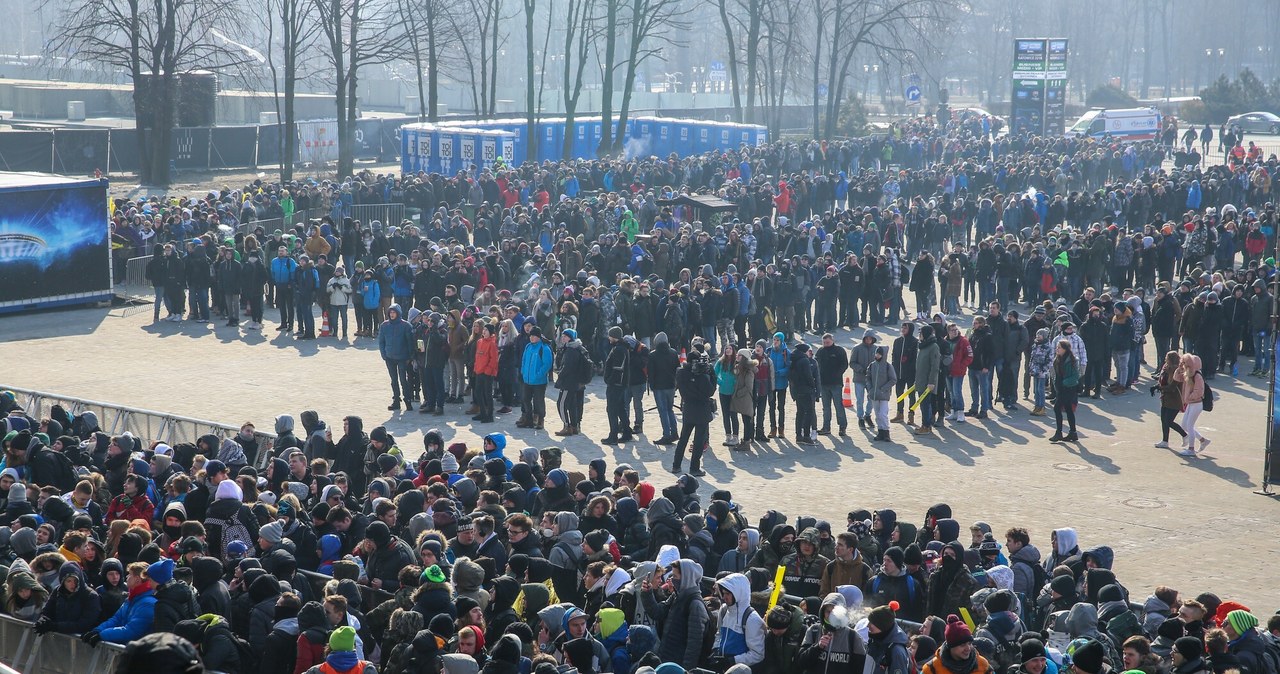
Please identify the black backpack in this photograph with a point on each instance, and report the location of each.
(1208, 393)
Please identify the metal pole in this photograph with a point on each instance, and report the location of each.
(1270, 343)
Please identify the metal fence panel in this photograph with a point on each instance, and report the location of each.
(232, 146)
(387, 214)
(124, 151)
(52, 653)
(135, 271)
(189, 147)
(147, 426)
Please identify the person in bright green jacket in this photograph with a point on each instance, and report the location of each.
(629, 226)
(286, 203)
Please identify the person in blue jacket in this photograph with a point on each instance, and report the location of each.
(781, 358)
(135, 617)
(494, 444)
(535, 368)
(370, 293)
(395, 344)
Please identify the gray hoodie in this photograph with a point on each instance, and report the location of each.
(863, 355)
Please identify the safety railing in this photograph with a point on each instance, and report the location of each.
(52, 653)
(387, 214)
(135, 272)
(146, 425)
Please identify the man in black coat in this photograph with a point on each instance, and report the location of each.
(697, 386)
(196, 267)
(802, 380)
(617, 375)
(229, 283)
(905, 349)
(833, 360)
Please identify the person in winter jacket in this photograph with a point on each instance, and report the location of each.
(805, 390)
(214, 641)
(339, 295)
(395, 345)
(832, 641)
(887, 643)
(741, 636)
(860, 358)
(880, 379)
(342, 657)
(135, 616)
(957, 654)
(72, 608)
(683, 615)
(697, 386)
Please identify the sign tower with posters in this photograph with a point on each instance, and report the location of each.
(1038, 103)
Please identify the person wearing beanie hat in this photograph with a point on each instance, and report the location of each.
(449, 463)
(160, 572)
(617, 379)
(1031, 656)
(1246, 642)
(1089, 658)
(270, 535)
(1188, 656)
(385, 556)
(887, 644)
(507, 651)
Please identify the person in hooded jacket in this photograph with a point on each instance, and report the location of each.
(227, 510)
(951, 584)
(893, 584)
(214, 641)
(212, 596)
(501, 612)
(804, 566)
(697, 385)
(832, 641)
(281, 652)
(175, 600)
(112, 592)
(683, 615)
(73, 608)
(313, 636)
(887, 644)
(740, 639)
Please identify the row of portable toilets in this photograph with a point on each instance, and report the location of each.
(449, 147)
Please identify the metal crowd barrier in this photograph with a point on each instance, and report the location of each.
(387, 214)
(146, 425)
(52, 653)
(135, 272)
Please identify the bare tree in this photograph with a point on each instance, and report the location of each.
(154, 42)
(782, 59)
(297, 32)
(423, 20)
(531, 111)
(357, 33)
(578, 38)
(652, 23)
(610, 36)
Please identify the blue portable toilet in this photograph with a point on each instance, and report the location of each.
(724, 137)
(581, 138)
(682, 142)
(448, 151)
(702, 140)
(550, 140)
(410, 159)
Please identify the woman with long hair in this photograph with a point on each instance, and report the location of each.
(726, 382)
(1191, 380)
(1066, 374)
(1170, 400)
(508, 365)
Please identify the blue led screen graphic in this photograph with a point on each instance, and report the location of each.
(54, 242)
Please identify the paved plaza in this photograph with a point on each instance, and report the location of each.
(1194, 524)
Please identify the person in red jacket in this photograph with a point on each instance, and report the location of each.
(486, 368)
(782, 201)
(133, 504)
(961, 357)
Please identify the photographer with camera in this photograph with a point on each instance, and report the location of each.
(697, 386)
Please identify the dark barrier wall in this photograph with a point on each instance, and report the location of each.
(26, 151)
(233, 146)
(124, 150)
(79, 151)
(368, 138)
(56, 242)
(269, 147)
(391, 137)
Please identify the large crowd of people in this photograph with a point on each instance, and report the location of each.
(353, 551)
(982, 275)
(1079, 258)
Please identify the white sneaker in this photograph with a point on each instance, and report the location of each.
(960, 417)
(1204, 443)
(1187, 452)
(1162, 445)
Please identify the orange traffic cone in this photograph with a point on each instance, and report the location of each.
(846, 396)
(684, 356)
(324, 325)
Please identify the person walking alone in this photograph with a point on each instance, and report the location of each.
(535, 369)
(1066, 376)
(395, 345)
(697, 385)
(1191, 380)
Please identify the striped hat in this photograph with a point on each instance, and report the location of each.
(1241, 621)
